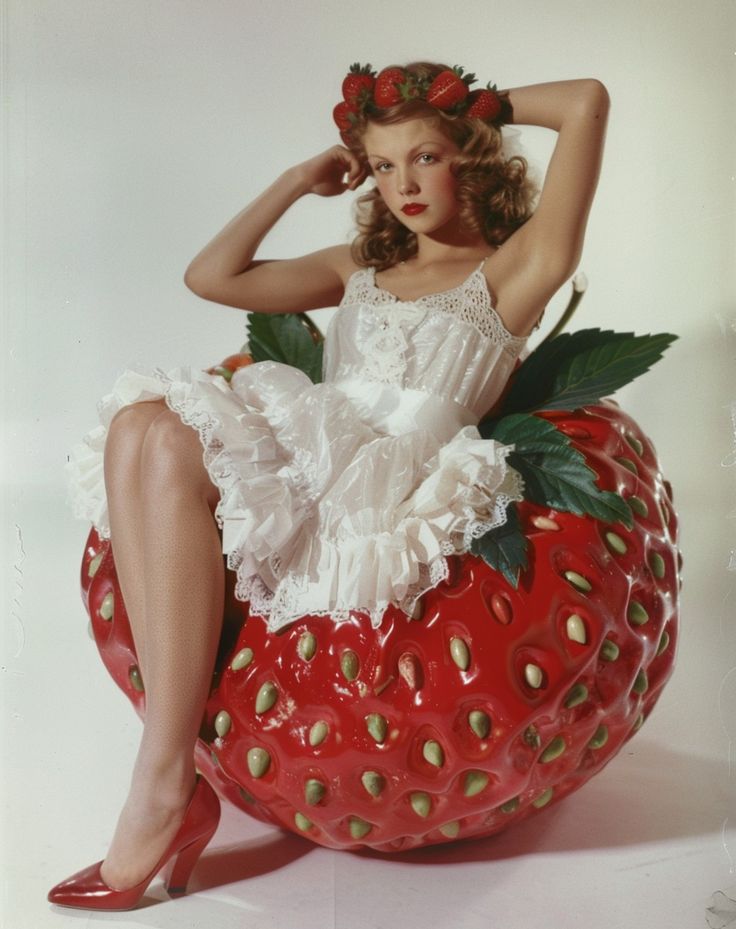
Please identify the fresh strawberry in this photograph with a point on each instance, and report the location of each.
(230, 365)
(392, 86)
(358, 83)
(495, 701)
(345, 115)
(484, 103)
(449, 88)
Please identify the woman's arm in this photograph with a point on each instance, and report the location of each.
(549, 245)
(225, 272)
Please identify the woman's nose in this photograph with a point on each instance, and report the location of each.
(407, 185)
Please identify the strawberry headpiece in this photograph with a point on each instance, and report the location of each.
(365, 92)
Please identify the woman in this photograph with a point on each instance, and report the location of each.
(291, 469)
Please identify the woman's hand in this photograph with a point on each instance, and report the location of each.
(332, 172)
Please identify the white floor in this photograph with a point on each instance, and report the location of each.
(650, 842)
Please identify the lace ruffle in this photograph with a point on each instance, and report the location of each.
(467, 493)
(271, 487)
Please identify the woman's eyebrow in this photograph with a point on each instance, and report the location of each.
(412, 151)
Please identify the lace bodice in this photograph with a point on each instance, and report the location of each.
(469, 301)
(452, 346)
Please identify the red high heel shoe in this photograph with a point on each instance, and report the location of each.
(87, 890)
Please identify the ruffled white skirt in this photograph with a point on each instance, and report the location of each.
(322, 511)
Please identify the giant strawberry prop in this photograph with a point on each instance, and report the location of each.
(520, 676)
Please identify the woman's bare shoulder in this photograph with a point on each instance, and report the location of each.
(342, 260)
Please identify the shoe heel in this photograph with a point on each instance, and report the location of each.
(180, 867)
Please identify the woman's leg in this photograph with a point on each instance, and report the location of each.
(123, 447)
(180, 568)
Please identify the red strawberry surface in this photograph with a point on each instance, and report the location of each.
(483, 104)
(490, 705)
(388, 88)
(447, 90)
(359, 81)
(344, 115)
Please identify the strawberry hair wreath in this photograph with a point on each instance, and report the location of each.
(366, 92)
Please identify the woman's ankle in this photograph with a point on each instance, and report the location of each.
(170, 782)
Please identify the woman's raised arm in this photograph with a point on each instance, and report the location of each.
(225, 272)
(546, 250)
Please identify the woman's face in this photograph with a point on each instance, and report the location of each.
(411, 163)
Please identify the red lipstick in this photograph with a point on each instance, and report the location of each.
(411, 209)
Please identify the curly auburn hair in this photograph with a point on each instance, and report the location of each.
(494, 193)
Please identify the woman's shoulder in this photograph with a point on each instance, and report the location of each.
(343, 262)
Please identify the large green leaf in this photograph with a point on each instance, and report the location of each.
(555, 473)
(288, 338)
(581, 368)
(504, 548)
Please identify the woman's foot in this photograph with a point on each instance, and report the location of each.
(88, 888)
(150, 818)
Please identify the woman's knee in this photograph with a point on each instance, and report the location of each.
(125, 436)
(129, 425)
(172, 458)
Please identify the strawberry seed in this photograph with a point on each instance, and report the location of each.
(575, 628)
(555, 748)
(534, 676)
(420, 803)
(377, 726)
(616, 543)
(107, 607)
(373, 782)
(480, 723)
(267, 695)
(134, 675)
(302, 822)
(318, 733)
(222, 723)
(609, 650)
(460, 653)
(359, 827)
(577, 695)
(578, 581)
(638, 505)
(433, 753)
(94, 564)
(349, 665)
(307, 646)
(600, 737)
(637, 614)
(543, 799)
(314, 791)
(475, 781)
(242, 659)
(258, 761)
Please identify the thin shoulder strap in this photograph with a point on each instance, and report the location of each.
(357, 286)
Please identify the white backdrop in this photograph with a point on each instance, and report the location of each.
(133, 131)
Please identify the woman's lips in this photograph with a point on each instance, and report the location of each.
(411, 209)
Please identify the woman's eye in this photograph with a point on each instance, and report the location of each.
(380, 167)
(426, 158)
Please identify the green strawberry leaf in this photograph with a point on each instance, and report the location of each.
(555, 473)
(581, 368)
(288, 338)
(504, 548)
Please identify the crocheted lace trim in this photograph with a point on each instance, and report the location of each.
(470, 301)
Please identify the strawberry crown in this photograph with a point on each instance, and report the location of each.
(367, 92)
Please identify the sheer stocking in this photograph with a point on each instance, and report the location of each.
(168, 556)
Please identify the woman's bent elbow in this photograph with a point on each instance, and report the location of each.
(195, 283)
(598, 94)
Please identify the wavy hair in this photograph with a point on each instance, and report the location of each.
(494, 193)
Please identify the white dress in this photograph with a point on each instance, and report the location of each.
(347, 494)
